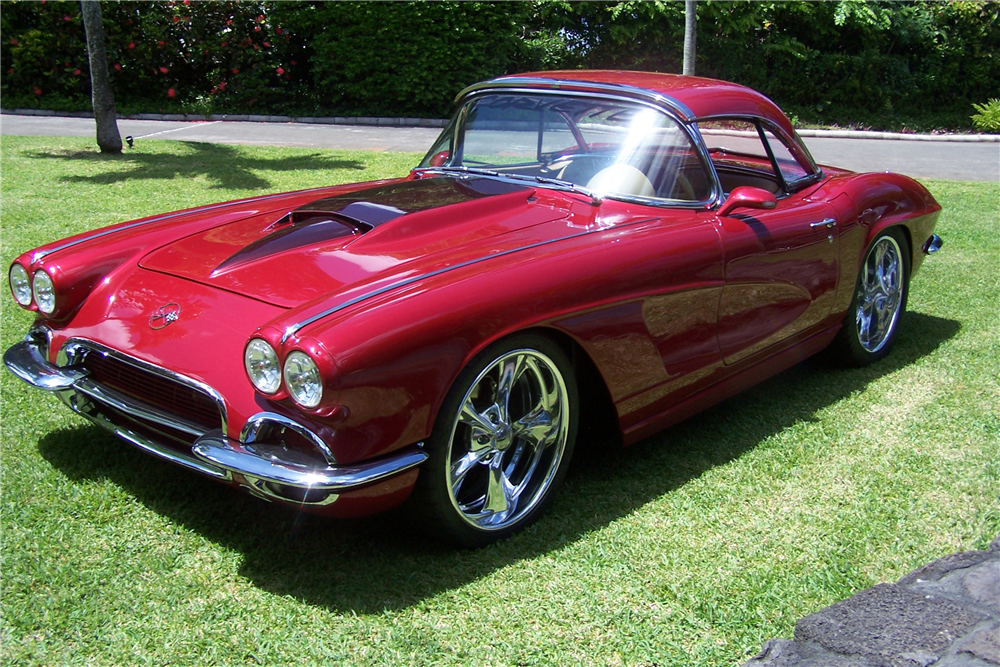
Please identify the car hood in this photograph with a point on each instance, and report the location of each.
(291, 257)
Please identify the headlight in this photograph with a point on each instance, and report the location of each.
(20, 284)
(45, 294)
(303, 380)
(262, 366)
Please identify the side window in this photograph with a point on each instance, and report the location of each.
(790, 168)
(739, 155)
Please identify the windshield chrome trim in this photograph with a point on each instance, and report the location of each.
(716, 194)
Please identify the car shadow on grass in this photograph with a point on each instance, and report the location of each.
(226, 166)
(384, 563)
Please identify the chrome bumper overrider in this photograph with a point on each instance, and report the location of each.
(932, 244)
(266, 469)
(263, 466)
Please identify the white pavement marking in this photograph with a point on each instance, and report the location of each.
(178, 129)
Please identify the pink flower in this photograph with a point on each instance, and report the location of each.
(236, 70)
(163, 70)
(10, 71)
(131, 45)
(171, 92)
(76, 72)
(67, 18)
(278, 30)
(256, 28)
(267, 44)
(14, 42)
(222, 85)
(117, 66)
(280, 71)
(38, 91)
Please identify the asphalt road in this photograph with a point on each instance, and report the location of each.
(966, 161)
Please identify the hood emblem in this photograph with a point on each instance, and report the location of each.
(164, 315)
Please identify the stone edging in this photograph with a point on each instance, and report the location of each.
(439, 122)
(945, 614)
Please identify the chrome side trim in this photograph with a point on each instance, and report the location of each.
(74, 350)
(513, 82)
(931, 246)
(251, 432)
(83, 406)
(158, 218)
(272, 464)
(298, 326)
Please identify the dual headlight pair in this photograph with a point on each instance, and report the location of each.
(301, 375)
(39, 288)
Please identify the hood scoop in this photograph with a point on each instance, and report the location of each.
(297, 229)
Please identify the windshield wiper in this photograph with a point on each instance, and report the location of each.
(566, 186)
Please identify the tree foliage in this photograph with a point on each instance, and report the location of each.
(866, 62)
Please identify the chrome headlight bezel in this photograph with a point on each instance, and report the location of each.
(303, 379)
(44, 292)
(20, 284)
(262, 366)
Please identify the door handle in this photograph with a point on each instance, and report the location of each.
(829, 223)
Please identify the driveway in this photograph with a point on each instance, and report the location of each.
(954, 160)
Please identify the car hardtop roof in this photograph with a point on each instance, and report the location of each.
(690, 97)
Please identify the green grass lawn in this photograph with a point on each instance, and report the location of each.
(690, 548)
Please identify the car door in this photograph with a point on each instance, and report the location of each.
(781, 272)
(781, 265)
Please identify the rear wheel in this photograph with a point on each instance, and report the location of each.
(502, 442)
(872, 322)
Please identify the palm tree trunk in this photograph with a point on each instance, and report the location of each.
(108, 138)
(690, 33)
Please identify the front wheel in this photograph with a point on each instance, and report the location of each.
(501, 443)
(872, 322)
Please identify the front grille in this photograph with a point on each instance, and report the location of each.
(171, 396)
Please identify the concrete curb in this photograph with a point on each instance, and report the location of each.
(246, 118)
(858, 134)
(440, 122)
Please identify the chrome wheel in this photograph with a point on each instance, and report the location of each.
(508, 439)
(879, 298)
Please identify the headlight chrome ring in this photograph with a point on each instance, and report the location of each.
(262, 366)
(44, 292)
(302, 378)
(20, 284)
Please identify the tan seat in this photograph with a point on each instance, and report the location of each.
(622, 179)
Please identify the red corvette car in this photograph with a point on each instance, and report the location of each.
(575, 243)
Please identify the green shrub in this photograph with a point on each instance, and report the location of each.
(988, 118)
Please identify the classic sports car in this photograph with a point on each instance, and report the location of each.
(575, 244)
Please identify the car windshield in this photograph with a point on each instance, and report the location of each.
(605, 147)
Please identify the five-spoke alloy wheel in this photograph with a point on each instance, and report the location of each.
(502, 441)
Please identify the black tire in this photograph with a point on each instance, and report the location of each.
(494, 466)
(879, 302)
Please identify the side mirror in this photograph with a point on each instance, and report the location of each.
(747, 196)
(440, 159)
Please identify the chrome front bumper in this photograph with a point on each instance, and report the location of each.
(265, 469)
